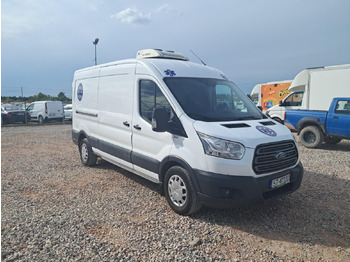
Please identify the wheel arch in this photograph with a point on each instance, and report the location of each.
(78, 136)
(310, 121)
(171, 161)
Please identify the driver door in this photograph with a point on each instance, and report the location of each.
(149, 148)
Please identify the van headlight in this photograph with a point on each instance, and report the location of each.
(221, 148)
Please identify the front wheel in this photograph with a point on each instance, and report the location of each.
(88, 158)
(180, 191)
(311, 136)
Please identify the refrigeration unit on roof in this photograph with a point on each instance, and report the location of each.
(159, 53)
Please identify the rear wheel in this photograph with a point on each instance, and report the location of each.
(180, 191)
(41, 120)
(88, 158)
(311, 136)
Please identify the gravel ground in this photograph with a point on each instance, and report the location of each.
(55, 209)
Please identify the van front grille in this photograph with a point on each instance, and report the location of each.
(273, 157)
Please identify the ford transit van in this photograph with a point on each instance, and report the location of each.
(186, 127)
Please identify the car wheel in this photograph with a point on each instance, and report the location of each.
(311, 136)
(88, 158)
(180, 191)
(41, 120)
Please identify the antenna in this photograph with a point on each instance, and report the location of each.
(198, 57)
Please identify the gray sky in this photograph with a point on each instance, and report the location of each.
(252, 41)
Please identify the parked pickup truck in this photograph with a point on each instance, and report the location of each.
(315, 127)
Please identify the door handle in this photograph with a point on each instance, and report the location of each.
(137, 127)
(126, 123)
(335, 117)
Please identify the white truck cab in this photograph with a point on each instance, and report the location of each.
(184, 126)
(313, 89)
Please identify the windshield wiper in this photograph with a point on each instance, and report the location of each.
(200, 117)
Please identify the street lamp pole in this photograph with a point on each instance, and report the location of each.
(95, 44)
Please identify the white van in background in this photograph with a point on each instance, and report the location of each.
(43, 111)
(177, 124)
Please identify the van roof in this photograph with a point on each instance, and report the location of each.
(177, 68)
(166, 67)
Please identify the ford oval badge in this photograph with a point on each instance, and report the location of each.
(265, 130)
(280, 155)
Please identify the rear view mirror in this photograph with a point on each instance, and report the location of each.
(160, 120)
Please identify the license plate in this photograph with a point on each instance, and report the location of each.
(280, 181)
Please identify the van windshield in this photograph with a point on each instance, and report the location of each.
(212, 100)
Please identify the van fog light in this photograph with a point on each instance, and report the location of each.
(221, 148)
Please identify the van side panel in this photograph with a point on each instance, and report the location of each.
(85, 97)
(115, 101)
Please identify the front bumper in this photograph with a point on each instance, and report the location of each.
(224, 191)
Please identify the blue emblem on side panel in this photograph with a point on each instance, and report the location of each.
(267, 131)
(169, 72)
(80, 92)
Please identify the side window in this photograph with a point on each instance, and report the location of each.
(295, 99)
(150, 98)
(343, 107)
(30, 107)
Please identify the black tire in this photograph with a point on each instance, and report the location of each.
(41, 120)
(331, 140)
(311, 136)
(87, 157)
(180, 191)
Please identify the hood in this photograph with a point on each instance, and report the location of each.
(249, 133)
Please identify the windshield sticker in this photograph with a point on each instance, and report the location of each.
(169, 72)
(80, 92)
(267, 131)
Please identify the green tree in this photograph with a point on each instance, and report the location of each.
(62, 97)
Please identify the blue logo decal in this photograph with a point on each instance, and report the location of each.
(267, 131)
(80, 92)
(169, 72)
(224, 77)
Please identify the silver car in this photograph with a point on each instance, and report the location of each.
(67, 112)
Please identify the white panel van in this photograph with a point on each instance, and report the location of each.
(43, 111)
(186, 127)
